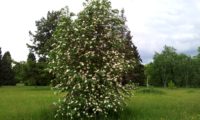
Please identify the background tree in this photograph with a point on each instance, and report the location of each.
(168, 65)
(198, 55)
(0, 68)
(148, 71)
(135, 75)
(43, 76)
(183, 70)
(31, 70)
(164, 66)
(196, 69)
(7, 72)
(88, 61)
(20, 70)
(42, 43)
(41, 40)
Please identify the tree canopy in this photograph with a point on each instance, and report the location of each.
(41, 39)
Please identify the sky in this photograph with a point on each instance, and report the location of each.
(153, 23)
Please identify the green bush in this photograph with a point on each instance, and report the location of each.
(171, 85)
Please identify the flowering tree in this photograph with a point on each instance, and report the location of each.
(88, 61)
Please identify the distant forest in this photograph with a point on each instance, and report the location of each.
(167, 67)
(170, 67)
(30, 72)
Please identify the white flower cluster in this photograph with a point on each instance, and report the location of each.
(88, 63)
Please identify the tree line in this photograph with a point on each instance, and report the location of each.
(30, 72)
(171, 67)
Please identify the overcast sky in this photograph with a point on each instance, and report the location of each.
(154, 23)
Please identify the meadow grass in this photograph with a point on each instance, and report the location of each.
(165, 104)
(35, 103)
(26, 103)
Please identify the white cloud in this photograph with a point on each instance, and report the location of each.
(175, 23)
(153, 23)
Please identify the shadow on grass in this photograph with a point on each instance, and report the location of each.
(191, 91)
(126, 114)
(150, 91)
(48, 113)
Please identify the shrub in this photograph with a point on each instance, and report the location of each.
(88, 62)
(171, 85)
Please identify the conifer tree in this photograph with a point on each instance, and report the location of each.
(7, 72)
(135, 75)
(31, 70)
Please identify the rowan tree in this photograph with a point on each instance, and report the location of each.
(88, 62)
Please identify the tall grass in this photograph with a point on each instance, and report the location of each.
(26, 103)
(177, 104)
(35, 103)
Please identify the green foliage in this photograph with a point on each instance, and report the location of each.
(164, 64)
(198, 55)
(42, 38)
(0, 68)
(135, 75)
(41, 45)
(171, 85)
(88, 62)
(7, 73)
(33, 72)
(20, 70)
(43, 77)
(168, 65)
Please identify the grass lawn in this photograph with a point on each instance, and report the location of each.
(35, 103)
